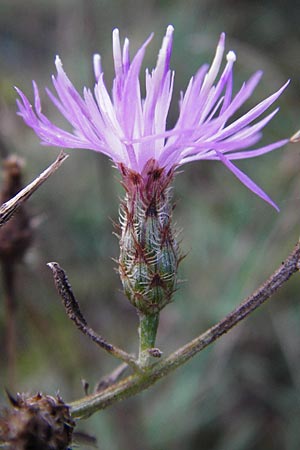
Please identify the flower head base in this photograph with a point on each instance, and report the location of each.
(149, 254)
(131, 130)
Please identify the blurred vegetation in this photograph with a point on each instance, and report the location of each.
(244, 392)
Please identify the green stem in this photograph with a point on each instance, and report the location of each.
(147, 335)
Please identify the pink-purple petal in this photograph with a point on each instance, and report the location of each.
(246, 180)
(133, 130)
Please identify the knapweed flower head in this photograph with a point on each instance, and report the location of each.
(131, 129)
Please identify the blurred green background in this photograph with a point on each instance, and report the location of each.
(244, 392)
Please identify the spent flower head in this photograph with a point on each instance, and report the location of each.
(132, 130)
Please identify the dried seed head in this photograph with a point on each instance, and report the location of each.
(16, 235)
(40, 422)
(149, 253)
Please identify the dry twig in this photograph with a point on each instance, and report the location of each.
(10, 207)
(73, 311)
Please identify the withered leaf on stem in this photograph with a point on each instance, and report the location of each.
(73, 311)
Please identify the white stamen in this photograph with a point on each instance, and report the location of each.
(126, 59)
(167, 41)
(215, 67)
(117, 52)
(58, 63)
(169, 31)
(231, 56)
(97, 66)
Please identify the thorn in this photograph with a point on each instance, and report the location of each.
(85, 384)
(14, 401)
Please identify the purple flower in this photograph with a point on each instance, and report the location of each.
(131, 130)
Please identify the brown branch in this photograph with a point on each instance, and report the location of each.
(10, 207)
(135, 383)
(73, 311)
(263, 293)
(110, 379)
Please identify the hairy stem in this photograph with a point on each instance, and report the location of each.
(137, 383)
